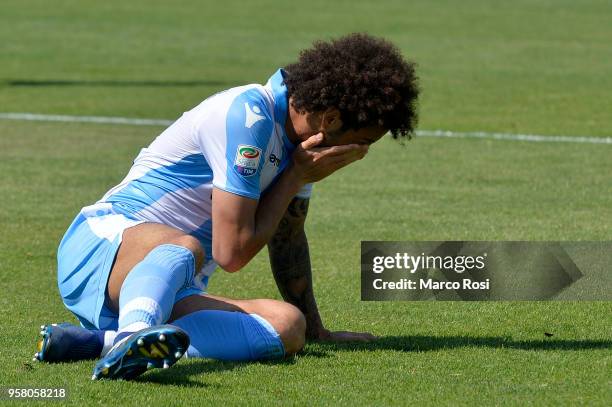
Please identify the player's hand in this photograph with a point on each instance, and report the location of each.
(312, 163)
(345, 336)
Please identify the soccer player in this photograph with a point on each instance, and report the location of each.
(232, 175)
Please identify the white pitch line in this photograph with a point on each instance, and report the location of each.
(515, 137)
(84, 119)
(420, 133)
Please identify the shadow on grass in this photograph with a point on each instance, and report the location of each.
(182, 373)
(419, 343)
(112, 83)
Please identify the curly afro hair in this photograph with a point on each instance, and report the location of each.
(364, 77)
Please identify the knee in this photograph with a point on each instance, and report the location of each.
(290, 324)
(193, 245)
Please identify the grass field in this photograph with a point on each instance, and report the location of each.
(519, 67)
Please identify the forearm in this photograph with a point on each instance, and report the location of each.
(273, 205)
(251, 236)
(290, 261)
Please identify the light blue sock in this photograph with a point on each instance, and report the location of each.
(227, 335)
(148, 292)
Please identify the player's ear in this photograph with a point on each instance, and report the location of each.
(331, 122)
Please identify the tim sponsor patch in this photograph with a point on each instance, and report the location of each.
(247, 160)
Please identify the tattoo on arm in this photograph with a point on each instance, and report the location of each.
(290, 261)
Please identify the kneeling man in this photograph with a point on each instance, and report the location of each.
(230, 176)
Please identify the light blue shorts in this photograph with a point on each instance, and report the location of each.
(84, 261)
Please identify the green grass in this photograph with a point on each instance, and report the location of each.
(530, 67)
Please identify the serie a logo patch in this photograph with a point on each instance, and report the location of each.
(247, 160)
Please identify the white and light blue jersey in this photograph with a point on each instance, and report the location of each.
(234, 140)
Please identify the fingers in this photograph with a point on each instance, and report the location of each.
(341, 150)
(345, 336)
(336, 162)
(330, 164)
(369, 337)
(315, 163)
(339, 160)
(362, 339)
(312, 141)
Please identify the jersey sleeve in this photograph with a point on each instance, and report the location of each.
(235, 149)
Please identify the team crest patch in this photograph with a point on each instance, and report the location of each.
(247, 160)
